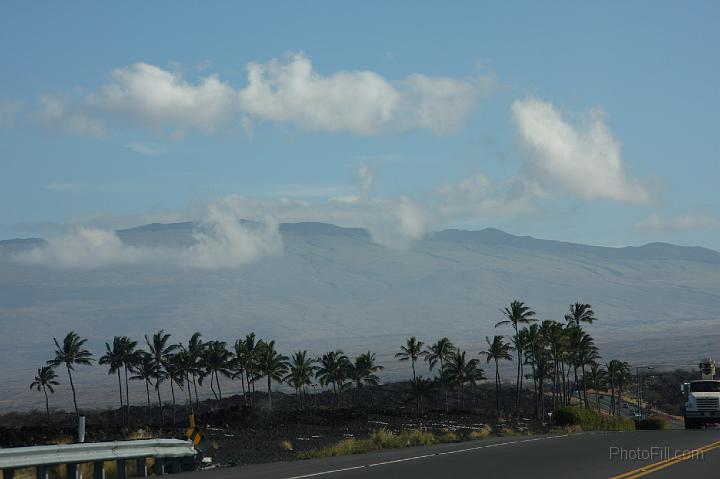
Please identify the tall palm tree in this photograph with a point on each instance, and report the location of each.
(113, 358)
(183, 365)
(460, 371)
(45, 381)
(412, 351)
(334, 369)
(160, 351)
(248, 362)
(300, 373)
(517, 315)
(237, 364)
(71, 353)
(363, 371)
(129, 359)
(498, 350)
(580, 313)
(144, 370)
(272, 365)
(439, 353)
(195, 351)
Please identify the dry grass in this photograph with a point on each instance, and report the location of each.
(481, 433)
(286, 445)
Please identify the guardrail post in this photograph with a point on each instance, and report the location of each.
(98, 470)
(159, 466)
(141, 467)
(8, 473)
(41, 472)
(121, 469)
(72, 471)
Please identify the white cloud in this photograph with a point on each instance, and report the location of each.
(584, 159)
(291, 91)
(222, 241)
(657, 223)
(85, 248)
(479, 197)
(366, 178)
(147, 149)
(56, 113)
(9, 110)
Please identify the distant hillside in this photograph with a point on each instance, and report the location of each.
(334, 287)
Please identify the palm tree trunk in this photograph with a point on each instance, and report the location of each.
(270, 404)
(172, 391)
(497, 387)
(190, 401)
(47, 405)
(120, 389)
(217, 381)
(147, 390)
(157, 390)
(72, 386)
(197, 400)
(127, 397)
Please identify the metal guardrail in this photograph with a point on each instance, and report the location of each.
(167, 453)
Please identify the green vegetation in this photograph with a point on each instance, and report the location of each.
(590, 420)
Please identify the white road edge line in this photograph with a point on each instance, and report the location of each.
(424, 456)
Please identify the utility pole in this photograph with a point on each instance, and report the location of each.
(639, 390)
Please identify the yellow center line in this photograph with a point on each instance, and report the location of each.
(650, 468)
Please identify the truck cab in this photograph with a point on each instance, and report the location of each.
(702, 398)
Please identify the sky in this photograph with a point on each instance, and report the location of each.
(578, 121)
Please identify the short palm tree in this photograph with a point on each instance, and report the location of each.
(160, 351)
(45, 381)
(439, 354)
(363, 371)
(272, 365)
(460, 371)
(129, 358)
(195, 350)
(144, 369)
(517, 315)
(300, 373)
(498, 350)
(175, 369)
(334, 368)
(71, 353)
(114, 358)
(421, 388)
(217, 360)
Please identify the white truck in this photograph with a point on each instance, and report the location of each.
(702, 397)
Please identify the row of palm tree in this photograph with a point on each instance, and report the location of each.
(560, 355)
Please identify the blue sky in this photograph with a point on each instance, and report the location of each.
(595, 123)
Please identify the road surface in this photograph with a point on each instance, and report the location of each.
(627, 455)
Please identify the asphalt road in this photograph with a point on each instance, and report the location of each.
(626, 455)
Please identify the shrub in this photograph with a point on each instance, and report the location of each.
(286, 445)
(589, 420)
(652, 423)
(481, 433)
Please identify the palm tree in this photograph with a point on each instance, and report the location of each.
(114, 358)
(195, 351)
(217, 360)
(144, 369)
(300, 374)
(460, 371)
(175, 368)
(248, 362)
(272, 365)
(517, 315)
(44, 381)
(183, 362)
(71, 353)
(160, 352)
(580, 313)
(440, 352)
(363, 371)
(421, 388)
(129, 358)
(412, 351)
(498, 350)
(334, 369)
